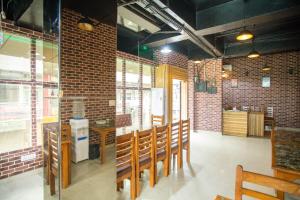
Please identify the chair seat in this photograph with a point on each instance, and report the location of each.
(174, 147)
(123, 170)
(144, 161)
(161, 154)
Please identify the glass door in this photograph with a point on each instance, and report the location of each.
(179, 100)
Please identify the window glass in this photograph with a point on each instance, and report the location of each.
(146, 107)
(15, 58)
(119, 101)
(46, 61)
(119, 77)
(132, 105)
(132, 74)
(147, 76)
(15, 117)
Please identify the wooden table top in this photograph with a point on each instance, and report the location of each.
(287, 150)
(104, 129)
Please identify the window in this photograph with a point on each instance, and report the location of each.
(15, 58)
(28, 88)
(15, 117)
(137, 91)
(119, 77)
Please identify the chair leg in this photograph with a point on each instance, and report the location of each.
(137, 183)
(152, 175)
(132, 187)
(174, 161)
(52, 184)
(179, 159)
(166, 167)
(188, 153)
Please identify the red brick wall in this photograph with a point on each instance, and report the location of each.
(284, 93)
(88, 69)
(205, 110)
(173, 58)
(10, 162)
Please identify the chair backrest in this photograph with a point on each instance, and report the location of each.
(123, 120)
(161, 139)
(125, 150)
(269, 112)
(65, 132)
(245, 108)
(185, 130)
(157, 120)
(53, 151)
(144, 145)
(263, 180)
(175, 133)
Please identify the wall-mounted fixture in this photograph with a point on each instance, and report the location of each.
(244, 35)
(85, 24)
(197, 61)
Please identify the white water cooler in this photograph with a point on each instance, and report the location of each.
(80, 139)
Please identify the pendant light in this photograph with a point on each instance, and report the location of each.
(253, 53)
(244, 34)
(85, 24)
(266, 67)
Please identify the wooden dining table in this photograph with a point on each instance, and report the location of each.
(286, 156)
(106, 129)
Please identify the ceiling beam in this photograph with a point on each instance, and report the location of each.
(250, 21)
(164, 13)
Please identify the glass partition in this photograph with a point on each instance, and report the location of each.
(29, 101)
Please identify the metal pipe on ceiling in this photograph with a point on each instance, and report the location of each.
(163, 15)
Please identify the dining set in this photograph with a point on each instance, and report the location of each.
(144, 148)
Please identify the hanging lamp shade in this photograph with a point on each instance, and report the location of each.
(244, 35)
(266, 68)
(253, 54)
(85, 24)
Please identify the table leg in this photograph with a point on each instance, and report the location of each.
(102, 148)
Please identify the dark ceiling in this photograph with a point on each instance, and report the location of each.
(199, 28)
(275, 25)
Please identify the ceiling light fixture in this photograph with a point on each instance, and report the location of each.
(85, 24)
(244, 35)
(166, 50)
(266, 68)
(253, 54)
(197, 61)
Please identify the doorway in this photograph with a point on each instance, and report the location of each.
(179, 100)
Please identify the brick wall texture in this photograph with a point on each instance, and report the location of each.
(173, 58)
(10, 162)
(284, 93)
(88, 69)
(205, 110)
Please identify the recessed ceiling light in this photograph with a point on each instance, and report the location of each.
(165, 50)
(244, 35)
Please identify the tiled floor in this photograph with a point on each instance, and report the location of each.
(212, 171)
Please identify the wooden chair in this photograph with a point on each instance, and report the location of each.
(66, 154)
(263, 180)
(157, 120)
(161, 148)
(269, 118)
(125, 159)
(53, 159)
(175, 144)
(123, 120)
(185, 137)
(144, 149)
